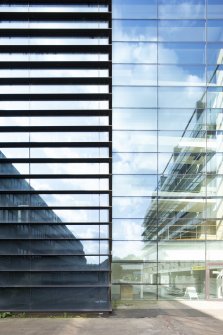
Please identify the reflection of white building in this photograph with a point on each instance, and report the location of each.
(186, 216)
(189, 190)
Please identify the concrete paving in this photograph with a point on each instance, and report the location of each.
(160, 318)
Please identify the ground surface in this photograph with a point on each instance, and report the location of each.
(160, 318)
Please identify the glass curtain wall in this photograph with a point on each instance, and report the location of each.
(167, 149)
(55, 155)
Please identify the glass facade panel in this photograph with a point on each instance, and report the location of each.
(190, 9)
(134, 52)
(130, 207)
(134, 185)
(129, 30)
(179, 119)
(134, 75)
(135, 163)
(182, 53)
(134, 119)
(129, 9)
(135, 229)
(214, 53)
(181, 31)
(181, 75)
(167, 152)
(214, 31)
(181, 97)
(214, 9)
(130, 96)
(135, 250)
(135, 141)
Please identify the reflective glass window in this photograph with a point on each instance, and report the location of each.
(135, 141)
(129, 9)
(134, 52)
(130, 207)
(181, 75)
(181, 97)
(133, 227)
(128, 97)
(181, 53)
(134, 185)
(214, 31)
(181, 9)
(182, 30)
(134, 75)
(214, 9)
(134, 163)
(134, 30)
(134, 119)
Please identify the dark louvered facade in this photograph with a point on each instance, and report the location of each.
(55, 172)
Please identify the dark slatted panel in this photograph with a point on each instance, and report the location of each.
(55, 155)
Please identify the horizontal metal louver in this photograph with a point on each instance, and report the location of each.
(55, 155)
